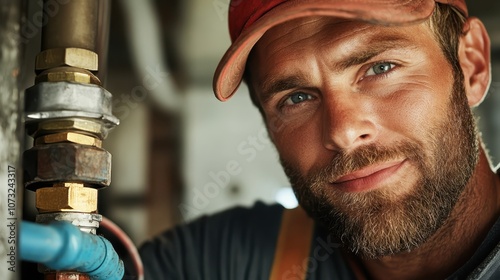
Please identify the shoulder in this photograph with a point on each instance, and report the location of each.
(260, 218)
(217, 244)
(245, 217)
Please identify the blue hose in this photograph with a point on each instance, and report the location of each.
(62, 246)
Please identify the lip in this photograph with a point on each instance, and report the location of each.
(368, 178)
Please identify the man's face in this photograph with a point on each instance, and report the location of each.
(372, 127)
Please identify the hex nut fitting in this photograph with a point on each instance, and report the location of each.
(66, 162)
(66, 197)
(68, 137)
(55, 100)
(68, 74)
(73, 57)
(91, 127)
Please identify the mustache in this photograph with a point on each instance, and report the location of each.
(344, 162)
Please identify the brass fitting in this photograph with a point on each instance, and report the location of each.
(68, 137)
(65, 197)
(74, 57)
(68, 74)
(88, 127)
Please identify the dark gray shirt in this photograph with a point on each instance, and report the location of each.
(240, 244)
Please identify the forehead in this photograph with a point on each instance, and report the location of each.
(333, 41)
(315, 31)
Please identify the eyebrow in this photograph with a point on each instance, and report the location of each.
(378, 45)
(384, 43)
(273, 86)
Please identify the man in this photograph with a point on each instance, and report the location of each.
(368, 104)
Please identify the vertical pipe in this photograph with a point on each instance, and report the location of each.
(10, 101)
(73, 26)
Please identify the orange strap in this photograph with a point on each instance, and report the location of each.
(294, 242)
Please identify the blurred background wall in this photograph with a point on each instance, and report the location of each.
(178, 152)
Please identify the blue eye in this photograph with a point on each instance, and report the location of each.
(296, 98)
(380, 68)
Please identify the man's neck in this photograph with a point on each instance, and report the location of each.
(455, 242)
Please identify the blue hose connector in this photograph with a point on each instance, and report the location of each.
(62, 246)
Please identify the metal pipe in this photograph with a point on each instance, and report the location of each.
(62, 246)
(73, 24)
(147, 49)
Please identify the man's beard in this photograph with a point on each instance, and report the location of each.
(379, 222)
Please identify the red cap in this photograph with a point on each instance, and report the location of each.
(250, 19)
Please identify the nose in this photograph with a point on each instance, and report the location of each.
(348, 124)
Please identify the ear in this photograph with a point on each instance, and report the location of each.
(474, 56)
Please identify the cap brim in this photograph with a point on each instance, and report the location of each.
(229, 72)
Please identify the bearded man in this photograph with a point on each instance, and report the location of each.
(368, 104)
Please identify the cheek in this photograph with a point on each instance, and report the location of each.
(298, 143)
(414, 106)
